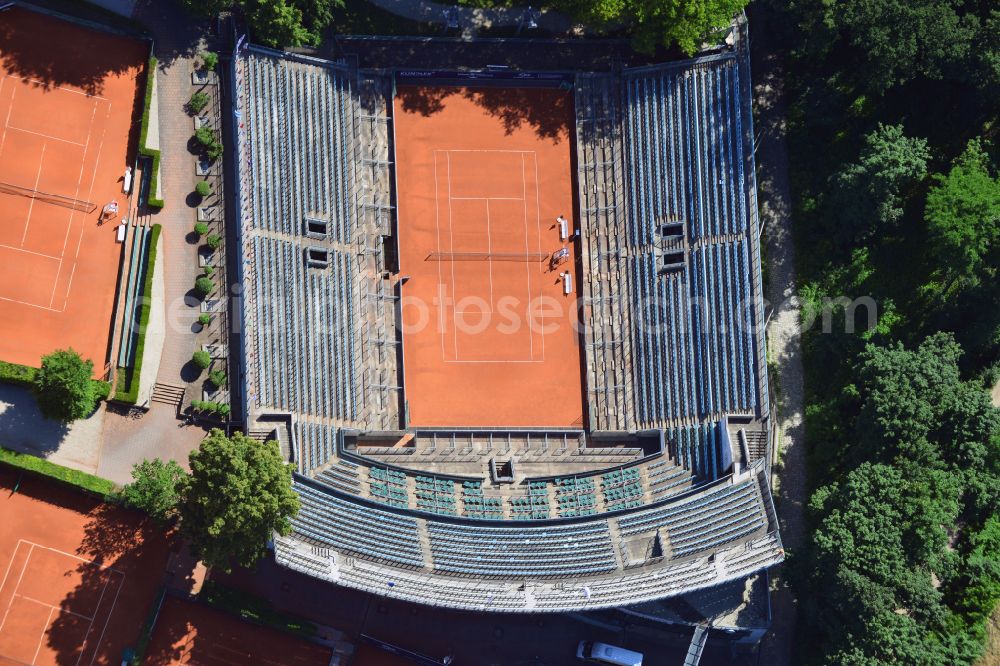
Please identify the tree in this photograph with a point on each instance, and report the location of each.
(63, 386)
(963, 217)
(903, 39)
(654, 22)
(239, 493)
(154, 488)
(277, 23)
(868, 194)
(917, 405)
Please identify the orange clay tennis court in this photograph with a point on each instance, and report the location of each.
(67, 100)
(77, 576)
(489, 336)
(190, 633)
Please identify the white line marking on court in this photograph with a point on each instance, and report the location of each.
(488, 198)
(39, 254)
(69, 90)
(19, 578)
(90, 194)
(489, 249)
(107, 621)
(451, 233)
(30, 305)
(10, 109)
(527, 268)
(58, 608)
(437, 230)
(538, 225)
(46, 136)
(45, 627)
(38, 179)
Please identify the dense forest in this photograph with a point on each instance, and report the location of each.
(893, 108)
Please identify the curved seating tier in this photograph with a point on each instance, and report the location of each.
(536, 568)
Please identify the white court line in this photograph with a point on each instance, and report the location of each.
(527, 268)
(437, 232)
(90, 194)
(39, 254)
(72, 215)
(19, 579)
(451, 233)
(30, 305)
(43, 84)
(45, 627)
(31, 206)
(455, 311)
(489, 249)
(538, 226)
(488, 198)
(10, 109)
(47, 136)
(107, 621)
(58, 608)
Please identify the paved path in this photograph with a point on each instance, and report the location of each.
(24, 429)
(784, 338)
(996, 395)
(156, 434)
(178, 41)
(470, 18)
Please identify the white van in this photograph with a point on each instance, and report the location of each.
(602, 653)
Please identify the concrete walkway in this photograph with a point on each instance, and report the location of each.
(178, 41)
(995, 394)
(470, 19)
(784, 337)
(23, 428)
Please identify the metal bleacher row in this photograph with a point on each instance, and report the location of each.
(304, 330)
(694, 351)
(302, 148)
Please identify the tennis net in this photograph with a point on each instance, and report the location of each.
(48, 197)
(487, 256)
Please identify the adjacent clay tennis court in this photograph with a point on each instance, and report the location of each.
(75, 574)
(489, 334)
(191, 633)
(67, 100)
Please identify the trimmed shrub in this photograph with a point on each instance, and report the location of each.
(208, 270)
(204, 319)
(214, 241)
(200, 228)
(203, 286)
(202, 359)
(203, 188)
(209, 60)
(213, 408)
(197, 103)
(217, 378)
(209, 140)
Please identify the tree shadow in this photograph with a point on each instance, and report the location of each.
(24, 428)
(547, 111)
(51, 53)
(190, 372)
(116, 579)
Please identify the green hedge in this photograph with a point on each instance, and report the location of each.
(128, 378)
(88, 482)
(254, 609)
(151, 199)
(139, 652)
(19, 375)
(24, 376)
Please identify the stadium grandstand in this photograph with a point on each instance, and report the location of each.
(659, 489)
